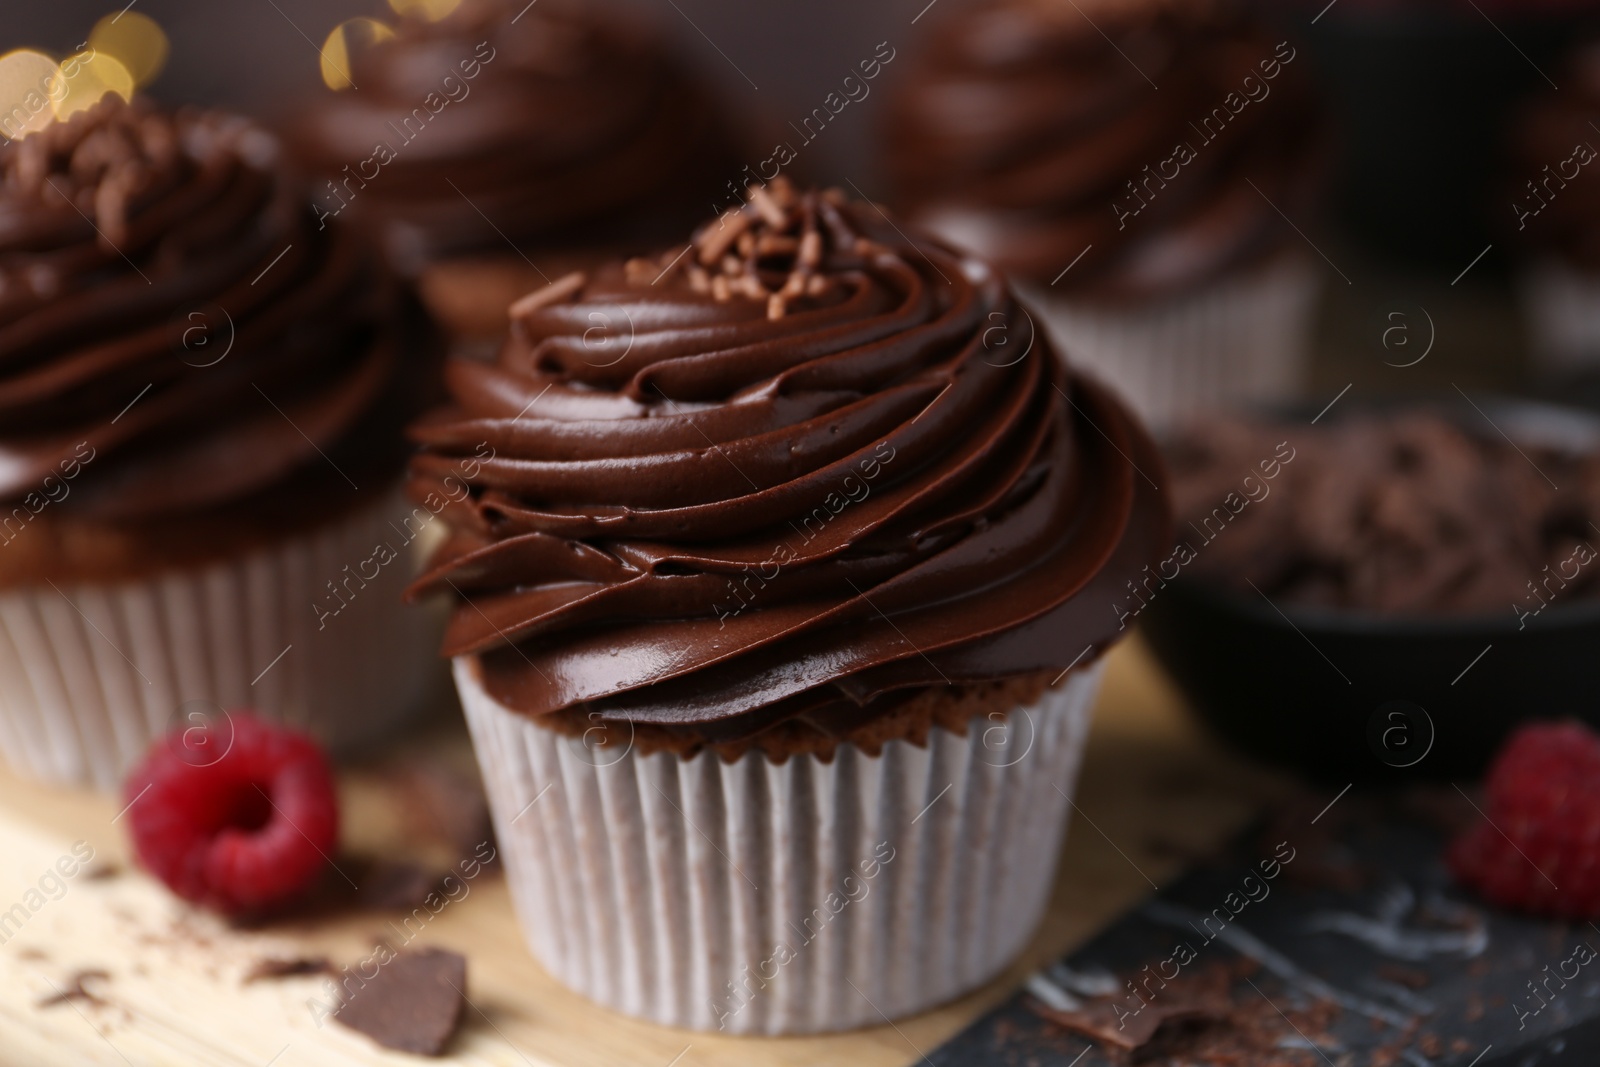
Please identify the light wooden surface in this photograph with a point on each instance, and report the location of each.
(1154, 793)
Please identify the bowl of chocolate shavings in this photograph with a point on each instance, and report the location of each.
(1385, 594)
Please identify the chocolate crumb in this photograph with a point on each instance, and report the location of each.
(414, 1003)
(1201, 1017)
(103, 872)
(76, 990)
(1410, 977)
(1099, 1021)
(287, 967)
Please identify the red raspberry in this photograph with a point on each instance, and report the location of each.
(1539, 849)
(239, 815)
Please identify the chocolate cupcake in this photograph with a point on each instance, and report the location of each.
(781, 615)
(1554, 213)
(1145, 223)
(506, 143)
(202, 396)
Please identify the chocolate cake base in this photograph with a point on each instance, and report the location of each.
(895, 716)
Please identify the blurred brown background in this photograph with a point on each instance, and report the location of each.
(1418, 89)
(256, 55)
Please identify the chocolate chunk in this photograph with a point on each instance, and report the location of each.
(414, 1003)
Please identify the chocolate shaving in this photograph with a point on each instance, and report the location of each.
(1208, 1016)
(640, 271)
(1402, 514)
(775, 224)
(1409, 977)
(775, 244)
(287, 967)
(720, 237)
(810, 250)
(75, 989)
(1099, 1021)
(554, 293)
(768, 208)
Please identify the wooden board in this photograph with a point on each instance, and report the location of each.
(1154, 793)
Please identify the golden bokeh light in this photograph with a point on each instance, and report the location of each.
(28, 80)
(345, 38)
(135, 41)
(432, 10)
(89, 77)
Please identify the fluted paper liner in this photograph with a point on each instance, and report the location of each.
(91, 673)
(1239, 342)
(781, 898)
(1563, 309)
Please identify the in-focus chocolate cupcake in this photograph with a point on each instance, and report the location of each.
(1553, 212)
(1126, 165)
(202, 396)
(506, 143)
(781, 615)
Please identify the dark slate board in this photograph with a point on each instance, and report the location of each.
(1379, 869)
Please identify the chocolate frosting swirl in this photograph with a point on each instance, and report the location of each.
(821, 467)
(167, 297)
(1025, 129)
(554, 123)
(1555, 194)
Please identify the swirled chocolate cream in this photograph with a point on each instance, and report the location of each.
(507, 138)
(1149, 146)
(803, 479)
(189, 364)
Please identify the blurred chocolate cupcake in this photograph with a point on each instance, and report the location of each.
(807, 565)
(1553, 211)
(503, 144)
(1144, 222)
(201, 398)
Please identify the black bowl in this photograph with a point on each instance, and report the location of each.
(1350, 696)
(1345, 695)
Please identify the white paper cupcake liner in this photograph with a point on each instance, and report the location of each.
(91, 673)
(763, 898)
(1562, 306)
(1237, 342)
